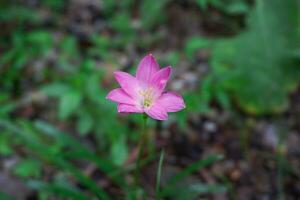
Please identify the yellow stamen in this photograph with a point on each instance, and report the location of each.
(147, 97)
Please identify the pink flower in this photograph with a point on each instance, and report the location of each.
(145, 92)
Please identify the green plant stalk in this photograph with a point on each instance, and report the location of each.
(142, 142)
(161, 159)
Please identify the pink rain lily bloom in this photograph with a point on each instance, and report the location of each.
(145, 92)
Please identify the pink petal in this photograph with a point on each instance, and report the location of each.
(160, 79)
(157, 112)
(120, 96)
(128, 83)
(171, 102)
(125, 108)
(146, 69)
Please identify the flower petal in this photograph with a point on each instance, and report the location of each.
(125, 108)
(157, 112)
(160, 79)
(120, 96)
(146, 69)
(171, 102)
(128, 83)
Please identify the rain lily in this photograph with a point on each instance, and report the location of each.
(145, 92)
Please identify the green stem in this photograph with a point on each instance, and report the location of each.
(141, 146)
(157, 192)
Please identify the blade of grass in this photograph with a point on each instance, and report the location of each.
(45, 128)
(81, 151)
(59, 190)
(188, 170)
(192, 191)
(194, 167)
(207, 188)
(43, 152)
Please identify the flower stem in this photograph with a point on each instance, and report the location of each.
(158, 176)
(141, 145)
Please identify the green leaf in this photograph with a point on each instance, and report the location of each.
(55, 89)
(7, 108)
(152, 13)
(204, 3)
(119, 152)
(18, 13)
(78, 150)
(228, 6)
(54, 4)
(255, 67)
(69, 102)
(28, 168)
(194, 167)
(189, 192)
(172, 58)
(84, 123)
(5, 146)
(93, 87)
(63, 190)
(238, 7)
(207, 188)
(205, 95)
(194, 44)
(121, 22)
(42, 150)
(192, 191)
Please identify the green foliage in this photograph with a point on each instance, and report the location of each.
(229, 6)
(255, 67)
(174, 188)
(69, 103)
(17, 13)
(54, 4)
(195, 43)
(204, 3)
(32, 138)
(152, 13)
(53, 147)
(61, 189)
(25, 47)
(119, 150)
(102, 45)
(256, 70)
(192, 191)
(5, 144)
(28, 168)
(195, 166)
(81, 96)
(122, 23)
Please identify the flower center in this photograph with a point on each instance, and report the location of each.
(147, 97)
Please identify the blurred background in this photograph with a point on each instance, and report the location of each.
(236, 62)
